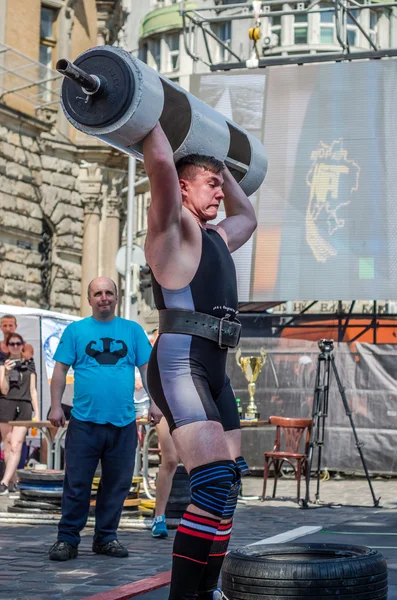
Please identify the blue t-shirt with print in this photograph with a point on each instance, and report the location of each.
(104, 355)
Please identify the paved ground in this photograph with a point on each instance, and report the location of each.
(26, 573)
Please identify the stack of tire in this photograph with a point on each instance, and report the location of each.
(179, 497)
(39, 492)
(304, 571)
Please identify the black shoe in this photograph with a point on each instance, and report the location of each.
(113, 548)
(3, 489)
(62, 551)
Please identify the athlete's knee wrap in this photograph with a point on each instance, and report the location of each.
(231, 503)
(210, 486)
(242, 466)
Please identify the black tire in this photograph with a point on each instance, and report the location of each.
(181, 474)
(366, 590)
(312, 571)
(306, 585)
(181, 469)
(174, 514)
(42, 476)
(181, 500)
(181, 484)
(177, 505)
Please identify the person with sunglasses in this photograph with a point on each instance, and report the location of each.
(8, 325)
(18, 397)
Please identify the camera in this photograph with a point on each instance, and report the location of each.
(326, 345)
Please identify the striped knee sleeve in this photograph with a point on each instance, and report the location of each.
(242, 466)
(210, 486)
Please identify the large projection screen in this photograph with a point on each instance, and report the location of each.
(327, 211)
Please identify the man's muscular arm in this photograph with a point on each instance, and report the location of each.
(240, 222)
(166, 201)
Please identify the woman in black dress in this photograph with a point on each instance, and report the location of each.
(18, 398)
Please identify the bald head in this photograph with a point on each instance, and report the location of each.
(101, 280)
(102, 297)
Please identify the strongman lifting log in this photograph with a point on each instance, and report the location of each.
(119, 100)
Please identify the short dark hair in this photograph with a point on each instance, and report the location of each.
(14, 335)
(187, 164)
(8, 317)
(89, 286)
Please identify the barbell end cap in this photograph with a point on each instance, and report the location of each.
(90, 84)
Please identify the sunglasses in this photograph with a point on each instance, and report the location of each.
(15, 344)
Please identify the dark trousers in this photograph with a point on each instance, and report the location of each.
(87, 443)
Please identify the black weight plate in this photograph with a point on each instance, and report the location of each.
(48, 500)
(42, 505)
(30, 475)
(41, 494)
(41, 485)
(101, 109)
(18, 509)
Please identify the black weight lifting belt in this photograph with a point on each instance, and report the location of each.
(222, 331)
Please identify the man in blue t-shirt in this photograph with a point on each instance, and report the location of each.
(103, 350)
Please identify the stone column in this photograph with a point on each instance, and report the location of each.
(111, 239)
(90, 187)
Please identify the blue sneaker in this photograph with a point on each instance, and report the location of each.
(159, 527)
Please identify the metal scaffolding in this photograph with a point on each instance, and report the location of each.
(201, 21)
(28, 79)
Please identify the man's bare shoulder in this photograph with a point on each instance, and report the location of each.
(174, 254)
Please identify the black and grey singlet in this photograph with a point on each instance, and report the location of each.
(186, 374)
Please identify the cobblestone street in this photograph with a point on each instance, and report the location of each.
(26, 573)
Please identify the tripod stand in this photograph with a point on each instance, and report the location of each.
(326, 362)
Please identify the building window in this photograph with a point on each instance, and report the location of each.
(47, 48)
(173, 52)
(224, 33)
(143, 53)
(155, 51)
(276, 27)
(47, 36)
(373, 25)
(327, 28)
(352, 28)
(300, 29)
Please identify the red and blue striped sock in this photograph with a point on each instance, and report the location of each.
(209, 580)
(192, 545)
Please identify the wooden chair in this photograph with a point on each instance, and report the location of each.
(289, 435)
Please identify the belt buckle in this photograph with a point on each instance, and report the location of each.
(225, 318)
(239, 331)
